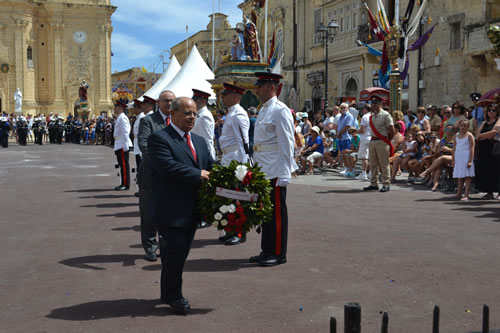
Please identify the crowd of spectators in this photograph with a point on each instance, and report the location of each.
(443, 147)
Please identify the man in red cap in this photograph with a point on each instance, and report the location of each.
(274, 151)
(122, 144)
(233, 139)
(204, 125)
(148, 125)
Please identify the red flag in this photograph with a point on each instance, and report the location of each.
(373, 23)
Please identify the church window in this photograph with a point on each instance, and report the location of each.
(317, 21)
(455, 36)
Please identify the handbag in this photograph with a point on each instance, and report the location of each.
(495, 152)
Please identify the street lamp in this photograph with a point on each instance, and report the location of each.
(327, 35)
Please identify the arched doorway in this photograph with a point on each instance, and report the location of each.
(351, 88)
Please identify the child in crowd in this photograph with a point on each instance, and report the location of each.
(331, 148)
(409, 152)
(462, 159)
(351, 153)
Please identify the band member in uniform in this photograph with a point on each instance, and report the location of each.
(380, 148)
(149, 124)
(122, 143)
(274, 151)
(4, 132)
(233, 139)
(22, 130)
(180, 162)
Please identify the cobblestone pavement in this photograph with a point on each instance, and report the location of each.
(72, 260)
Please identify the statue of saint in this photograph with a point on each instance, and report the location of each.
(252, 45)
(18, 98)
(82, 91)
(238, 44)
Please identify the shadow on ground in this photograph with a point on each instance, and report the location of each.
(90, 190)
(209, 265)
(134, 213)
(85, 262)
(112, 205)
(116, 309)
(134, 228)
(107, 196)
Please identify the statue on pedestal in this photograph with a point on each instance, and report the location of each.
(82, 91)
(18, 98)
(238, 44)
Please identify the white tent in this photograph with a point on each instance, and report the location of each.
(193, 75)
(167, 76)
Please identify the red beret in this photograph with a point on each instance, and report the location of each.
(199, 93)
(137, 103)
(149, 100)
(232, 89)
(120, 103)
(264, 77)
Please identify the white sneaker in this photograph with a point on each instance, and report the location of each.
(343, 172)
(362, 176)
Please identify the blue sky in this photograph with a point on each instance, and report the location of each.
(142, 30)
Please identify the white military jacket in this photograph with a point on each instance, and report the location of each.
(274, 140)
(122, 133)
(204, 127)
(231, 141)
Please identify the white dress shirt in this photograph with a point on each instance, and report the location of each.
(183, 135)
(122, 133)
(236, 119)
(204, 127)
(274, 127)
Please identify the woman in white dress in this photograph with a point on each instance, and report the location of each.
(463, 159)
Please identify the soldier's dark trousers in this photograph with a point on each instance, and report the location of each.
(4, 141)
(275, 231)
(122, 158)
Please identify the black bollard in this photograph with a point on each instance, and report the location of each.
(385, 323)
(352, 318)
(435, 320)
(333, 325)
(486, 319)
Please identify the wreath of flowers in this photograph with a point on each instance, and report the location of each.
(236, 198)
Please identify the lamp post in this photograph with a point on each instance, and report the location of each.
(327, 35)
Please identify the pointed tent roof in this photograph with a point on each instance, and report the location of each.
(167, 76)
(193, 75)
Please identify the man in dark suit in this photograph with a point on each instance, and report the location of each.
(148, 125)
(179, 162)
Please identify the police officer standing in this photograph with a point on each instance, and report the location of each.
(274, 151)
(4, 131)
(59, 129)
(38, 130)
(233, 139)
(122, 144)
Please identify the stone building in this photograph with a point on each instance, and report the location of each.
(458, 59)
(134, 80)
(203, 41)
(48, 47)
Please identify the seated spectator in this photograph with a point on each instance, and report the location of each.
(331, 148)
(428, 158)
(444, 160)
(312, 152)
(397, 142)
(416, 165)
(409, 117)
(458, 111)
(329, 119)
(351, 154)
(398, 118)
(422, 122)
(434, 118)
(402, 160)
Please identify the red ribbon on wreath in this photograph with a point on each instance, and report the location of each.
(247, 179)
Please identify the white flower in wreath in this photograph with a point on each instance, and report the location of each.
(223, 222)
(240, 172)
(218, 216)
(215, 224)
(232, 208)
(224, 209)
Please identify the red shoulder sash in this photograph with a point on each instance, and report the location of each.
(381, 137)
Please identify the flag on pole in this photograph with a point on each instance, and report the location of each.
(144, 70)
(374, 24)
(271, 48)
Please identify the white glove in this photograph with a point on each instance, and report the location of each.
(282, 182)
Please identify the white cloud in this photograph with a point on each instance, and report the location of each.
(129, 47)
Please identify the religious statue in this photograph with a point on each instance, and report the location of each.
(252, 41)
(82, 91)
(238, 44)
(18, 98)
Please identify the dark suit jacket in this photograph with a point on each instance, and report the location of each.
(176, 177)
(148, 125)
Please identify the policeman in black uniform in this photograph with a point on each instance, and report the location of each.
(22, 130)
(38, 130)
(99, 130)
(68, 130)
(59, 129)
(77, 131)
(52, 126)
(4, 131)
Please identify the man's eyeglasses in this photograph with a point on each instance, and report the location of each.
(189, 114)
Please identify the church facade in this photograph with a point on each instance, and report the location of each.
(48, 48)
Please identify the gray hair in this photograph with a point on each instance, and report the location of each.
(178, 101)
(252, 110)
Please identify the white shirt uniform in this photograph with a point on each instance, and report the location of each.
(230, 140)
(122, 133)
(274, 134)
(204, 127)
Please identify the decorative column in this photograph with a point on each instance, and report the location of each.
(19, 54)
(392, 41)
(58, 28)
(104, 67)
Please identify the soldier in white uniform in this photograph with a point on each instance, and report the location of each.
(273, 150)
(234, 139)
(122, 144)
(204, 125)
(235, 131)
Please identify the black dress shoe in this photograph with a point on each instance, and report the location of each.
(385, 188)
(225, 237)
(234, 240)
(181, 306)
(121, 188)
(151, 256)
(272, 260)
(256, 259)
(136, 194)
(371, 188)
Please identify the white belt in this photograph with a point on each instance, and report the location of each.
(230, 149)
(265, 148)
